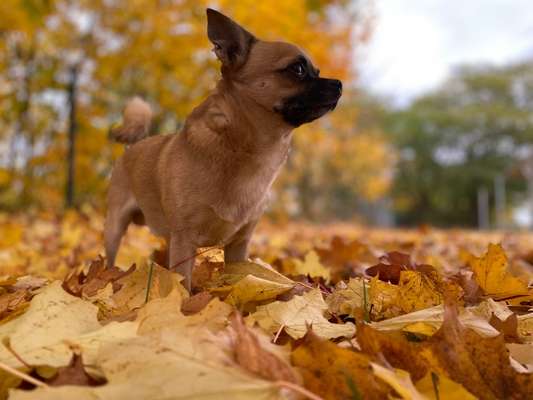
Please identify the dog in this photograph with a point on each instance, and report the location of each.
(208, 185)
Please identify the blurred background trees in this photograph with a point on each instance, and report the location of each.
(472, 134)
(68, 66)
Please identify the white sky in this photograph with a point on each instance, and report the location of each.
(416, 43)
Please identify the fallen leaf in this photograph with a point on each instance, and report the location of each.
(250, 355)
(159, 368)
(392, 349)
(310, 266)
(134, 288)
(433, 317)
(195, 303)
(492, 275)
(399, 380)
(346, 298)
(390, 266)
(74, 374)
(419, 290)
(54, 322)
(525, 327)
(439, 387)
(10, 302)
(345, 257)
(523, 353)
(81, 284)
(334, 372)
(479, 363)
(166, 313)
(297, 314)
(247, 282)
(507, 327)
(146, 367)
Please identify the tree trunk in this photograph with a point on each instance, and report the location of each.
(72, 129)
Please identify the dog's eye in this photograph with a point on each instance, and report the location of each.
(298, 69)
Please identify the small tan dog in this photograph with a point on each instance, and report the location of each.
(208, 185)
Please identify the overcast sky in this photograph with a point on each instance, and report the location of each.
(417, 43)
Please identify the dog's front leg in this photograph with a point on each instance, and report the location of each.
(237, 249)
(181, 257)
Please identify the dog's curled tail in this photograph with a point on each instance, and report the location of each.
(137, 117)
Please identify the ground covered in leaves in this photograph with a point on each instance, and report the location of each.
(330, 312)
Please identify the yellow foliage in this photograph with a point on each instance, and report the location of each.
(492, 275)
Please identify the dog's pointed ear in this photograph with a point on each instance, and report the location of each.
(232, 42)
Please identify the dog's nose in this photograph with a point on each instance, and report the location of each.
(338, 85)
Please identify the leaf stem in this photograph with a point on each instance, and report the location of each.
(22, 375)
(365, 303)
(278, 333)
(149, 283)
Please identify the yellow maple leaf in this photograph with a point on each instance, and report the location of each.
(347, 297)
(311, 266)
(246, 282)
(492, 275)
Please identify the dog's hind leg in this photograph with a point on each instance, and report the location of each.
(122, 209)
(115, 226)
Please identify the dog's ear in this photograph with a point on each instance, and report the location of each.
(232, 42)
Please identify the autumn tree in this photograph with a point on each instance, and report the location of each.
(96, 54)
(459, 138)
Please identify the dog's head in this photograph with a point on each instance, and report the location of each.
(277, 75)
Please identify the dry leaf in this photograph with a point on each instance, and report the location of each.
(310, 266)
(439, 387)
(348, 297)
(247, 282)
(11, 302)
(56, 321)
(399, 380)
(336, 373)
(166, 313)
(298, 314)
(81, 284)
(254, 358)
(433, 317)
(392, 349)
(74, 374)
(492, 275)
(480, 364)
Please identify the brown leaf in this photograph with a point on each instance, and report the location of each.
(74, 374)
(10, 302)
(250, 355)
(479, 363)
(345, 257)
(472, 293)
(509, 327)
(203, 272)
(336, 373)
(393, 263)
(196, 303)
(80, 284)
(392, 348)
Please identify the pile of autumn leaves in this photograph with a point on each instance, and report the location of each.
(333, 323)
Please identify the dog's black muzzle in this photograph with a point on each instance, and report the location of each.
(320, 96)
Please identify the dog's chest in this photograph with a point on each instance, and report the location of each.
(245, 187)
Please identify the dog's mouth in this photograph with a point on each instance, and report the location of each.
(299, 113)
(320, 97)
(330, 106)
